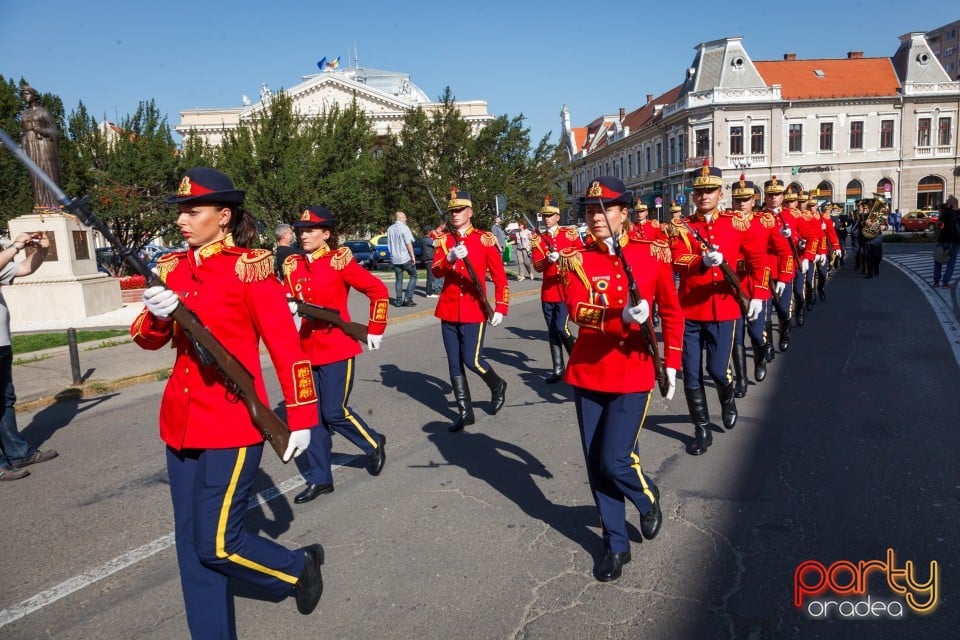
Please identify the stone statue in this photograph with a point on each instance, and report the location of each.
(40, 142)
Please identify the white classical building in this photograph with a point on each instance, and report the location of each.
(384, 96)
(848, 127)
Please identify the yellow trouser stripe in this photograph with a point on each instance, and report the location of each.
(636, 459)
(476, 354)
(222, 527)
(346, 412)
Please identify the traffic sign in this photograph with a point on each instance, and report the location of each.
(658, 201)
(681, 199)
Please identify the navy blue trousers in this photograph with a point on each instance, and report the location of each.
(463, 343)
(755, 328)
(210, 489)
(333, 383)
(556, 316)
(716, 340)
(610, 426)
(781, 304)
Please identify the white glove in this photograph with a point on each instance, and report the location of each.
(785, 232)
(496, 319)
(637, 314)
(553, 256)
(821, 258)
(373, 342)
(754, 309)
(779, 287)
(459, 252)
(804, 265)
(837, 253)
(292, 306)
(160, 301)
(672, 380)
(712, 258)
(299, 441)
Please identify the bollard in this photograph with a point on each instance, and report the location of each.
(74, 355)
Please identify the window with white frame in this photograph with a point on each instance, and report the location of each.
(923, 132)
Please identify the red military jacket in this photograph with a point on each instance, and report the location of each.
(782, 269)
(704, 293)
(649, 230)
(562, 238)
(806, 227)
(235, 295)
(764, 237)
(324, 278)
(459, 299)
(611, 356)
(826, 223)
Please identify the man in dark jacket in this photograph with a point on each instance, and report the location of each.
(949, 240)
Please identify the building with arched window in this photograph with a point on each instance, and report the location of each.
(850, 127)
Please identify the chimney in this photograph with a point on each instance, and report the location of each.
(623, 113)
(854, 55)
(789, 56)
(649, 98)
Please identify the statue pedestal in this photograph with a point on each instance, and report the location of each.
(67, 285)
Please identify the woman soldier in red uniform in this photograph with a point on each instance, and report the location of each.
(610, 369)
(324, 276)
(213, 447)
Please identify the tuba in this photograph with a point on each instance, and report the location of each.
(873, 223)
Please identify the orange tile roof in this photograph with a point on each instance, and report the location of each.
(638, 118)
(579, 137)
(842, 78)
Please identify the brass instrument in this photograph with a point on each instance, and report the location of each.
(873, 223)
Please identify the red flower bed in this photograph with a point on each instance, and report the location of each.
(132, 282)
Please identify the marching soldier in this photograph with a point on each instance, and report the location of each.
(644, 227)
(213, 446)
(324, 275)
(829, 250)
(463, 258)
(546, 252)
(709, 302)
(611, 371)
(801, 231)
(782, 296)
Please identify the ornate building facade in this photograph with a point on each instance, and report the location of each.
(849, 127)
(384, 96)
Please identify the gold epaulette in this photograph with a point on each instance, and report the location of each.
(252, 265)
(571, 233)
(675, 228)
(168, 262)
(488, 239)
(290, 264)
(740, 221)
(767, 220)
(571, 261)
(340, 258)
(655, 224)
(660, 250)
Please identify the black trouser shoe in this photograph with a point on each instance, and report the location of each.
(785, 335)
(556, 354)
(728, 406)
(702, 436)
(801, 315)
(769, 353)
(498, 390)
(312, 492)
(759, 362)
(652, 520)
(568, 341)
(378, 457)
(739, 370)
(461, 392)
(309, 587)
(611, 565)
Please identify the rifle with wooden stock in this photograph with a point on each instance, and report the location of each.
(355, 330)
(728, 273)
(210, 351)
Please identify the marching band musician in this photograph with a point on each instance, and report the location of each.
(461, 308)
(610, 369)
(323, 275)
(213, 447)
(546, 252)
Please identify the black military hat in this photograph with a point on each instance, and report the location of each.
(550, 206)
(607, 190)
(707, 177)
(743, 188)
(203, 184)
(458, 199)
(316, 217)
(773, 186)
(790, 195)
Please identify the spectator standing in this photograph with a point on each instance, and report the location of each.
(499, 234)
(400, 244)
(899, 218)
(524, 260)
(429, 238)
(286, 245)
(949, 240)
(15, 452)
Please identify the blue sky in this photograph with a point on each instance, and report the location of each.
(521, 57)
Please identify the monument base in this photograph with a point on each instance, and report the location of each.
(61, 299)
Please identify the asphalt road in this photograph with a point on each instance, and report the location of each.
(848, 449)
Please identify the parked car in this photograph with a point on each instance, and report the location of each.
(383, 252)
(363, 252)
(920, 220)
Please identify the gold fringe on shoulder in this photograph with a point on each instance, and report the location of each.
(289, 264)
(767, 220)
(660, 250)
(571, 261)
(341, 258)
(488, 239)
(168, 263)
(740, 221)
(254, 265)
(571, 233)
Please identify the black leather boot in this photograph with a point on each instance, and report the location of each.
(809, 296)
(702, 436)
(769, 353)
(461, 392)
(784, 335)
(801, 314)
(728, 406)
(739, 357)
(556, 354)
(759, 362)
(498, 390)
(567, 340)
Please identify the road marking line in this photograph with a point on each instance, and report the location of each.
(134, 556)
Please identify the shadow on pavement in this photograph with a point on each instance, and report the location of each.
(54, 417)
